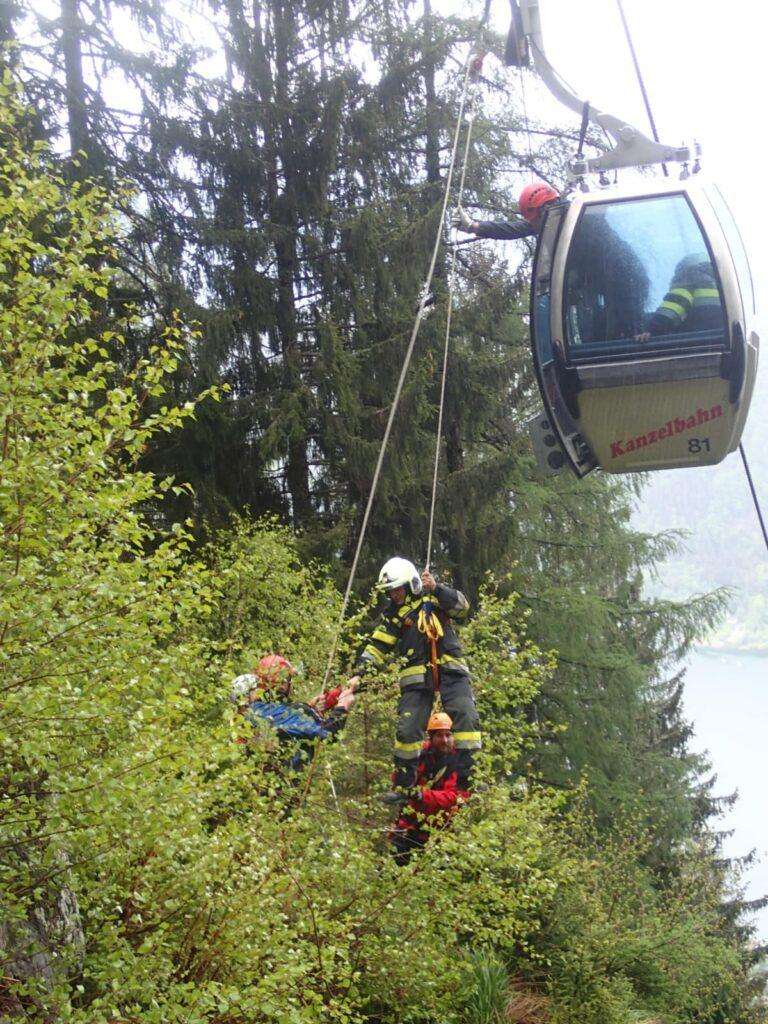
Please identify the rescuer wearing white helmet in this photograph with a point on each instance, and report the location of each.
(417, 629)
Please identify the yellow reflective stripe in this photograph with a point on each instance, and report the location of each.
(371, 652)
(385, 638)
(414, 670)
(674, 307)
(448, 659)
(709, 293)
(408, 747)
(405, 609)
(474, 737)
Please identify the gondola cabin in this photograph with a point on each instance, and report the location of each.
(642, 312)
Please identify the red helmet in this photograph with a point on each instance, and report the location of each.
(274, 668)
(534, 197)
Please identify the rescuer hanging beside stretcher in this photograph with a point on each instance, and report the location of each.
(438, 792)
(417, 629)
(263, 698)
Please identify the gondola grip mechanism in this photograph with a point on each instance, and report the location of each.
(632, 148)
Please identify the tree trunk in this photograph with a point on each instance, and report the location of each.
(77, 116)
(279, 140)
(44, 950)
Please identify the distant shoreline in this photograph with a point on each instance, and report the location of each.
(741, 652)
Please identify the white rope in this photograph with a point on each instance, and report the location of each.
(335, 795)
(448, 318)
(403, 373)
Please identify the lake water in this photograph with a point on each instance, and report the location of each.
(726, 699)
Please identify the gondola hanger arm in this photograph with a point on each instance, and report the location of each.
(632, 148)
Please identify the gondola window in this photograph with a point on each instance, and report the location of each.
(640, 279)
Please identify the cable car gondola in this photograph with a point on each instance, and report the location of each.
(642, 308)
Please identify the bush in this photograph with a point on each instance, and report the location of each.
(152, 869)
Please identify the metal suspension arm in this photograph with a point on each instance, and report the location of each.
(632, 149)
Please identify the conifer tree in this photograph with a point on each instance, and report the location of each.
(289, 203)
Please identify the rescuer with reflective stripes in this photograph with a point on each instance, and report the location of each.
(692, 303)
(417, 629)
(438, 792)
(534, 199)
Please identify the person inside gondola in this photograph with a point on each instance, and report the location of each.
(692, 305)
(607, 283)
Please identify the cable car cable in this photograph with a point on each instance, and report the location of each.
(754, 493)
(652, 121)
(640, 79)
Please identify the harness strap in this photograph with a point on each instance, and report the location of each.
(430, 625)
(436, 778)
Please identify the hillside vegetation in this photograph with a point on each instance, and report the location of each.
(154, 870)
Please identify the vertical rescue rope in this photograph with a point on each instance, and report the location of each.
(448, 317)
(425, 292)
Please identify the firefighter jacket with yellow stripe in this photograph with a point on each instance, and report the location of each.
(691, 304)
(398, 636)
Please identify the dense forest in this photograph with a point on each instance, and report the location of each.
(215, 225)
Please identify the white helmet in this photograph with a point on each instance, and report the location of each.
(242, 686)
(399, 572)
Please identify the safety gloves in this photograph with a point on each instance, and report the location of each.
(460, 219)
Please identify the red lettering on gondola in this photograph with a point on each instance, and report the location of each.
(624, 445)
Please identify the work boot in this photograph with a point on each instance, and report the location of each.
(392, 798)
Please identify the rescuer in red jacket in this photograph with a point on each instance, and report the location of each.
(439, 790)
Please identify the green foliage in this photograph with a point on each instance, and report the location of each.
(211, 885)
(487, 982)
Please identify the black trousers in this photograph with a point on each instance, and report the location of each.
(413, 711)
(404, 843)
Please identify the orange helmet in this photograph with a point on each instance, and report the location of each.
(534, 197)
(439, 720)
(274, 668)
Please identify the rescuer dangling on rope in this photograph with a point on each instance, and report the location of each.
(417, 628)
(437, 794)
(263, 697)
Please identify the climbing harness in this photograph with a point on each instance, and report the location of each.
(429, 624)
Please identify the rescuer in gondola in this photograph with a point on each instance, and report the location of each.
(534, 200)
(692, 303)
(417, 629)
(437, 794)
(605, 270)
(263, 697)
